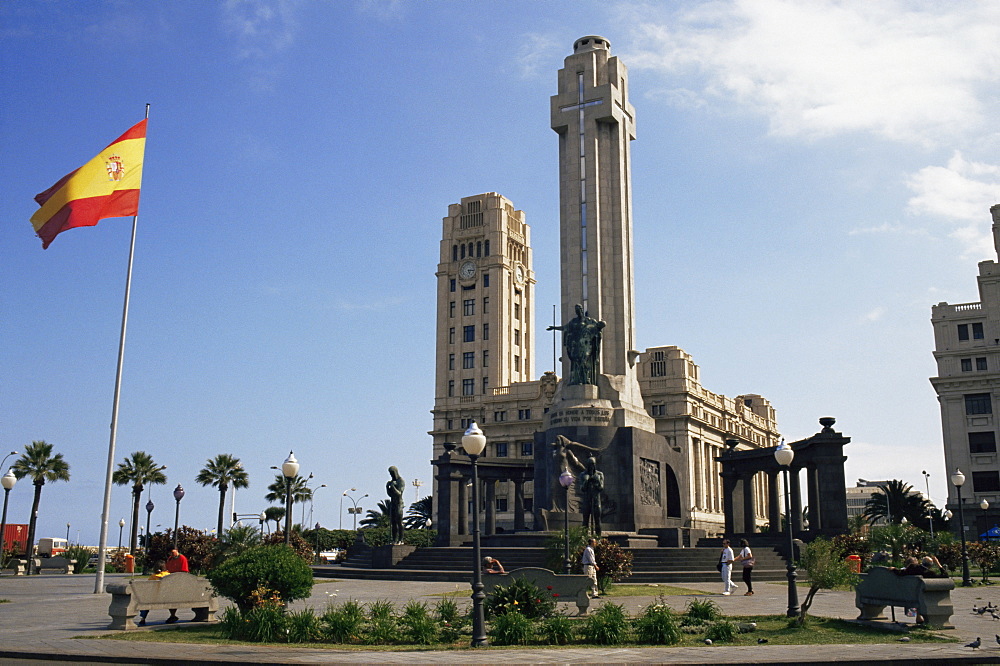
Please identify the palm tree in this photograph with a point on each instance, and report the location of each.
(418, 514)
(38, 463)
(895, 502)
(238, 539)
(138, 470)
(222, 471)
(301, 492)
(379, 517)
(275, 513)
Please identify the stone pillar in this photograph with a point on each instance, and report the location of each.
(773, 503)
(463, 506)
(519, 525)
(749, 505)
(795, 520)
(812, 492)
(491, 506)
(729, 483)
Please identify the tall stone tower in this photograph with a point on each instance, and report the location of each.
(595, 122)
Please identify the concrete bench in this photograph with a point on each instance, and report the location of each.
(19, 567)
(882, 587)
(569, 587)
(57, 564)
(178, 590)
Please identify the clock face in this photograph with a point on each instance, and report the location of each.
(467, 270)
(519, 274)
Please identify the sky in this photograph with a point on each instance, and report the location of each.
(808, 179)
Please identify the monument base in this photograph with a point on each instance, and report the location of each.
(386, 557)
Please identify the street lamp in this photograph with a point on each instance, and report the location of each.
(566, 480)
(289, 469)
(342, 496)
(784, 455)
(145, 542)
(958, 480)
(356, 510)
(312, 501)
(474, 441)
(7, 481)
(930, 516)
(67, 533)
(121, 526)
(12, 453)
(178, 496)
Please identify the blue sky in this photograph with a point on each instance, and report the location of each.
(809, 178)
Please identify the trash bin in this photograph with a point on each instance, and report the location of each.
(855, 562)
(129, 563)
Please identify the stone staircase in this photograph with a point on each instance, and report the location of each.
(649, 565)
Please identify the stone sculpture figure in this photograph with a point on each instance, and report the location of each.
(582, 341)
(395, 488)
(591, 487)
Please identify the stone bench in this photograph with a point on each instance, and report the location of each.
(178, 590)
(882, 587)
(19, 567)
(569, 587)
(57, 564)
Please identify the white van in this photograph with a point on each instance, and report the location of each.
(51, 546)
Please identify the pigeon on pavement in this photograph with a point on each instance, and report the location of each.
(975, 644)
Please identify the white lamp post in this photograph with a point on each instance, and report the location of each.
(566, 480)
(7, 480)
(342, 496)
(474, 441)
(958, 480)
(289, 469)
(178, 496)
(121, 526)
(784, 455)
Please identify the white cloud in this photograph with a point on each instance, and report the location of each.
(873, 315)
(902, 70)
(537, 53)
(262, 29)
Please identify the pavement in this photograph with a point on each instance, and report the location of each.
(49, 618)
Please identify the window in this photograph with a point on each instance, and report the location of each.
(517, 311)
(451, 285)
(468, 307)
(963, 331)
(980, 364)
(451, 361)
(982, 442)
(978, 403)
(468, 387)
(517, 336)
(451, 309)
(486, 278)
(966, 365)
(977, 331)
(463, 250)
(500, 416)
(479, 249)
(454, 253)
(524, 414)
(658, 410)
(466, 423)
(529, 504)
(486, 358)
(985, 482)
(486, 248)
(527, 449)
(468, 360)
(517, 364)
(486, 304)
(501, 504)
(501, 449)
(486, 331)
(451, 424)
(469, 333)
(451, 388)
(486, 384)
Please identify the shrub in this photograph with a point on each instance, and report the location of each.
(81, 554)
(198, 547)
(275, 568)
(301, 547)
(557, 629)
(511, 628)
(380, 536)
(555, 548)
(701, 610)
(722, 630)
(418, 626)
(382, 628)
(608, 626)
(826, 571)
(657, 625)
(522, 596)
(265, 623)
(613, 563)
(302, 627)
(342, 624)
(447, 610)
(237, 539)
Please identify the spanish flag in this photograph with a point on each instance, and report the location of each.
(106, 186)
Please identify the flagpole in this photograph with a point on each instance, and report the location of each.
(102, 548)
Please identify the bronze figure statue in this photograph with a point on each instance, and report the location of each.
(591, 487)
(395, 488)
(582, 340)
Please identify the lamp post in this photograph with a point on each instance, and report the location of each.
(312, 501)
(145, 542)
(342, 496)
(784, 455)
(121, 526)
(302, 513)
(474, 441)
(12, 453)
(263, 518)
(178, 496)
(416, 489)
(289, 469)
(958, 480)
(566, 480)
(356, 510)
(67, 533)
(7, 480)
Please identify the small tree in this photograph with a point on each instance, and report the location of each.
(198, 547)
(301, 547)
(899, 540)
(613, 563)
(827, 570)
(262, 570)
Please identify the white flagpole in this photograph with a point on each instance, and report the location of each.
(102, 548)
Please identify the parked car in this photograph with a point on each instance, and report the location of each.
(333, 556)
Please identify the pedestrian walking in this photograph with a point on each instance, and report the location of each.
(589, 562)
(746, 557)
(726, 568)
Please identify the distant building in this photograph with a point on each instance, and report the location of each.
(859, 495)
(967, 351)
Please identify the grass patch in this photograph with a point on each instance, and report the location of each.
(619, 590)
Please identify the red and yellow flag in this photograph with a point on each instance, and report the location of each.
(106, 186)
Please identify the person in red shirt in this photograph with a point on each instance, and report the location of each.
(175, 563)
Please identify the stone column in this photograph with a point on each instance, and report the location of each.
(519, 525)
(773, 503)
(812, 492)
(729, 483)
(491, 506)
(749, 505)
(463, 506)
(795, 520)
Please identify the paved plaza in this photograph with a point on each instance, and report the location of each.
(48, 615)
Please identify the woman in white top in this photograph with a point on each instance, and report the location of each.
(726, 560)
(746, 557)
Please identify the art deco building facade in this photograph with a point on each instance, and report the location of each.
(967, 351)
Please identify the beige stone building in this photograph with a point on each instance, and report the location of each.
(967, 351)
